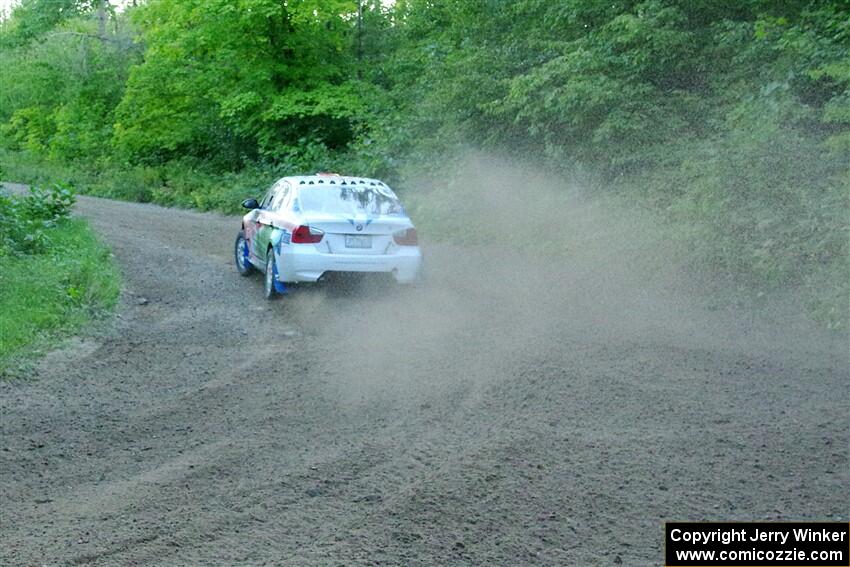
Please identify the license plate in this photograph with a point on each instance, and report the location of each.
(357, 241)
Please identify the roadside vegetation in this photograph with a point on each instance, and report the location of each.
(54, 274)
(729, 120)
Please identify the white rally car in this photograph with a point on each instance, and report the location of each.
(310, 226)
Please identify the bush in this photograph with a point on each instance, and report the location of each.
(24, 221)
(54, 274)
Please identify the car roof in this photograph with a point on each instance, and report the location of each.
(332, 179)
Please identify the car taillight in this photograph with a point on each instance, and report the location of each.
(406, 237)
(306, 235)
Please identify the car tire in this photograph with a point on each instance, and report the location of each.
(269, 291)
(240, 254)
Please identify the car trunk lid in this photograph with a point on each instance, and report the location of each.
(358, 235)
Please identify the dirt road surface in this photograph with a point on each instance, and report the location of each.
(505, 413)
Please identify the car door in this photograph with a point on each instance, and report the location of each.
(266, 216)
(256, 228)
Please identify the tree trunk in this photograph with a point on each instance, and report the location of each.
(101, 18)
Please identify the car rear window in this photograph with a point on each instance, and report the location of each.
(349, 200)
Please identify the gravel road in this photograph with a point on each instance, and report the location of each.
(506, 413)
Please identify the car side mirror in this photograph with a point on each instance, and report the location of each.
(250, 204)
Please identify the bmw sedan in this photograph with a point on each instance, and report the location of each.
(308, 227)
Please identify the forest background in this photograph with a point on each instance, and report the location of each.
(727, 119)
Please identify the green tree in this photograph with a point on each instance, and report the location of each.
(59, 91)
(33, 18)
(234, 81)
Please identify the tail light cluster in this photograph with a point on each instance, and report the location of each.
(307, 235)
(406, 237)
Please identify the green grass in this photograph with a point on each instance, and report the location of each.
(47, 296)
(174, 184)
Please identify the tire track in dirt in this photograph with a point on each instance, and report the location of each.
(506, 413)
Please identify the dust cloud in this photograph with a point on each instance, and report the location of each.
(523, 265)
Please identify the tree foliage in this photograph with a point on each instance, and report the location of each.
(610, 85)
(732, 116)
(238, 80)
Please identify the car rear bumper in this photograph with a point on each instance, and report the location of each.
(299, 263)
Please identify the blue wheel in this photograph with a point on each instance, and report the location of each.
(240, 251)
(272, 286)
